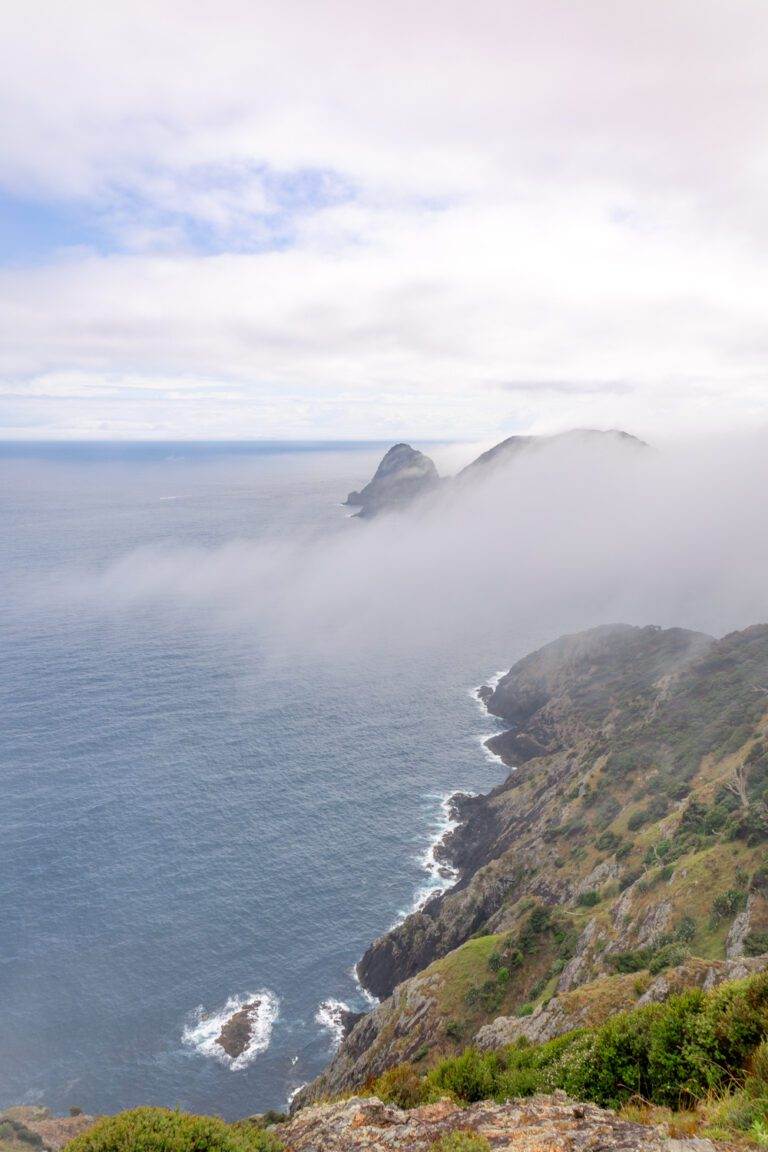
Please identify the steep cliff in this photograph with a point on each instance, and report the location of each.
(630, 838)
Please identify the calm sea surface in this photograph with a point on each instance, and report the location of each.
(187, 820)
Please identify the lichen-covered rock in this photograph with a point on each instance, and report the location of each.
(539, 1124)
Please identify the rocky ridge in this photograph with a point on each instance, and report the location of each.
(405, 474)
(554, 1123)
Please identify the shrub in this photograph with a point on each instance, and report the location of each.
(588, 899)
(461, 1141)
(685, 930)
(632, 961)
(668, 957)
(454, 1030)
(401, 1085)
(727, 904)
(161, 1130)
(693, 1046)
(470, 1076)
(756, 943)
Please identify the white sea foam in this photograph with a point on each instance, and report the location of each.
(492, 682)
(330, 1015)
(366, 995)
(203, 1031)
(293, 1093)
(492, 757)
(441, 875)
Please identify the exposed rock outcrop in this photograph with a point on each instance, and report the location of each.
(554, 1123)
(236, 1033)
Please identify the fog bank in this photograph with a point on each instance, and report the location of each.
(564, 537)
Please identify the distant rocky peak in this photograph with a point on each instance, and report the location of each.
(508, 449)
(403, 474)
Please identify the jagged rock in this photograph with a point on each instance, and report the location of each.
(734, 945)
(403, 474)
(554, 1123)
(654, 924)
(578, 965)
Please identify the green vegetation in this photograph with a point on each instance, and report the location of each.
(461, 1142)
(161, 1130)
(706, 1050)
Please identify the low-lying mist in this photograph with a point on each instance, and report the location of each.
(566, 536)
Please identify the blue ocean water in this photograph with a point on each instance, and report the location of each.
(187, 819)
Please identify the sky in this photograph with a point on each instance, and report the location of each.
(370, 219)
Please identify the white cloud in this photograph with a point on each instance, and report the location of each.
(542, 192)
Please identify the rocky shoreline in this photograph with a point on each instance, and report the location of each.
(568, 867)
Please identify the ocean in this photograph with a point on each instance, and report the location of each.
(195, 813)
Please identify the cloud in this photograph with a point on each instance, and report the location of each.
(376, 216)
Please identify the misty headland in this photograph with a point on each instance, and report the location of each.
(241, 676)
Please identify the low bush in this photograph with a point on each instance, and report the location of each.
(469, 1077)
(727, 904)
(461, 1141)
(162, 1130)
(755, 943)
(695, 1045)
(403, 1086)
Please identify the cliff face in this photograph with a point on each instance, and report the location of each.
(631, 838)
